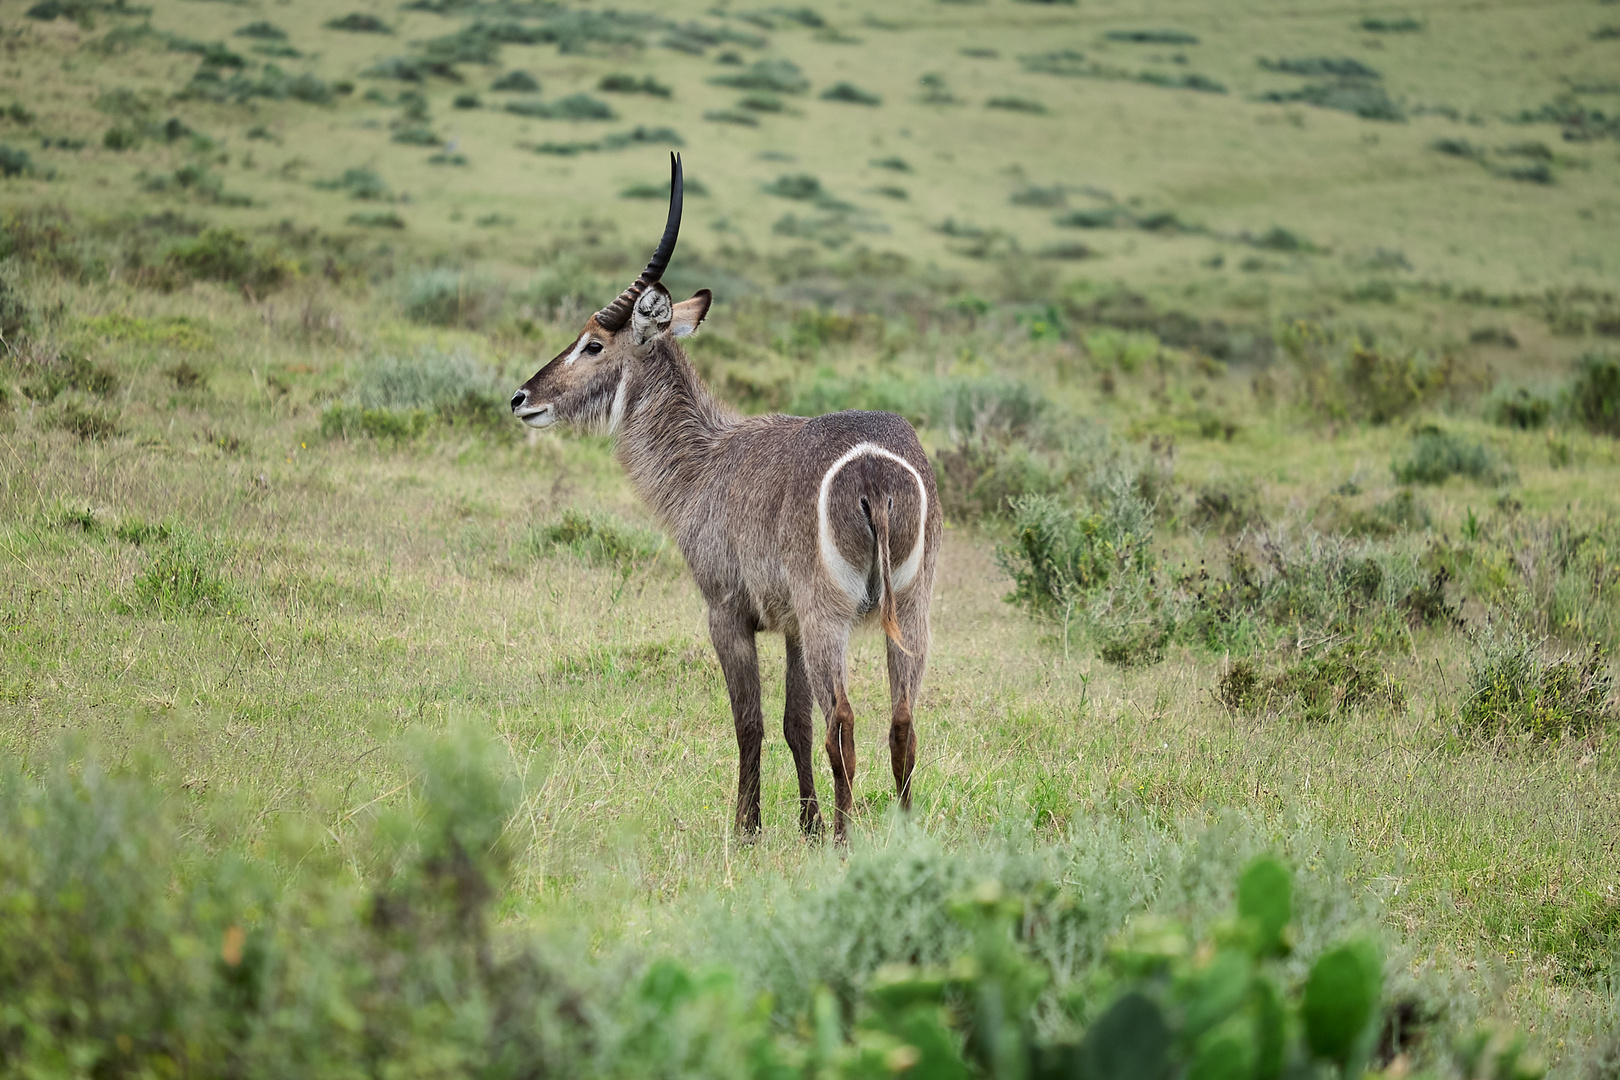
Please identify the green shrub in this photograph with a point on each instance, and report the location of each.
(572, 107)
(1403, 25)
(272, 84)
(1126, 350)
(601, 541)
(42, 376)
(1320, 687)
(1315, 67)
(449, 384)
(1356, 88)
(359, 183)
(1323, 589)
(1401, 512)
(633, 84)
(1152, 37)
(1013, 103)
(1061, 558)
(131, 946)
(1538, 172)
(344, 421)
(18, 313)
(223, 254)
(1516, 688)
(136, 531)
(895, 164)
(516, 81)
(772, 76)
(446, 297)
(1456, 147)
(399, 398)
(1595, 394)
(1436, 456)
(1228, 506)
(87, 423)
(182, 576)
(377, 219)
(14, 161)
(801, 186)
(263, 31)
(980, 479)
(1519, 408)
(357, 22)
(1034, 195)
(850, 93)
(416, 136)
(1383, 386)
(1105, 218)
(1278, 238)
(935, 90)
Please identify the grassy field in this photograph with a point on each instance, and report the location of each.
(1350, 353)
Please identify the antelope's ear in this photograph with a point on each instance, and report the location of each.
(650, 317)
(689, 313)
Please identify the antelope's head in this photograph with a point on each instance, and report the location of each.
(586, 383)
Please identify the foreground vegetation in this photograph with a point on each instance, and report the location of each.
(352, 728)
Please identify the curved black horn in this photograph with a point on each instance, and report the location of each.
(616, 314)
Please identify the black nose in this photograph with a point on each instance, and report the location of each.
(518, 399)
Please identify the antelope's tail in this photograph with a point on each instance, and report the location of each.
(880, 526)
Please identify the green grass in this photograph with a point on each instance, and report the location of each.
(264, 517)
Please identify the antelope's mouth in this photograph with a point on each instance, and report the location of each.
(536, 416)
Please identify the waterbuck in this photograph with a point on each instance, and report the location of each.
(794, 525)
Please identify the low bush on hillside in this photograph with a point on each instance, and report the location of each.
(1064, 560)
(357, 22)
(183, 574)
(1321, 588)
(1152, 37)
(18, 312)
(225, 255)
(850, 93)
(446, 297)
(772, 76)
(1595, 393)
(400, 397)
(15, 161)
(1340, 375)
(516, 81)
(358, 183)
(1013, 103)
(1517, 687)
(1402, 25)
(1436, 456)
(44, 374)
(1520, 408)
(1227, 505)
(633, 84)
(1316, 688)
(600, 540)
(87, 423)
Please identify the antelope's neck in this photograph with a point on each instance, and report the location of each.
(670, 432)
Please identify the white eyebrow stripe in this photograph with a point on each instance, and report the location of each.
(579, 347)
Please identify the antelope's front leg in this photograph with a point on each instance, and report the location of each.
(733, 639)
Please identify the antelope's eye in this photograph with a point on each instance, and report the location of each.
(594, 347)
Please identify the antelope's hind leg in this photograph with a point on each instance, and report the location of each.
(824, 666)
(796, 717)
(905, 677)
(733, 639)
